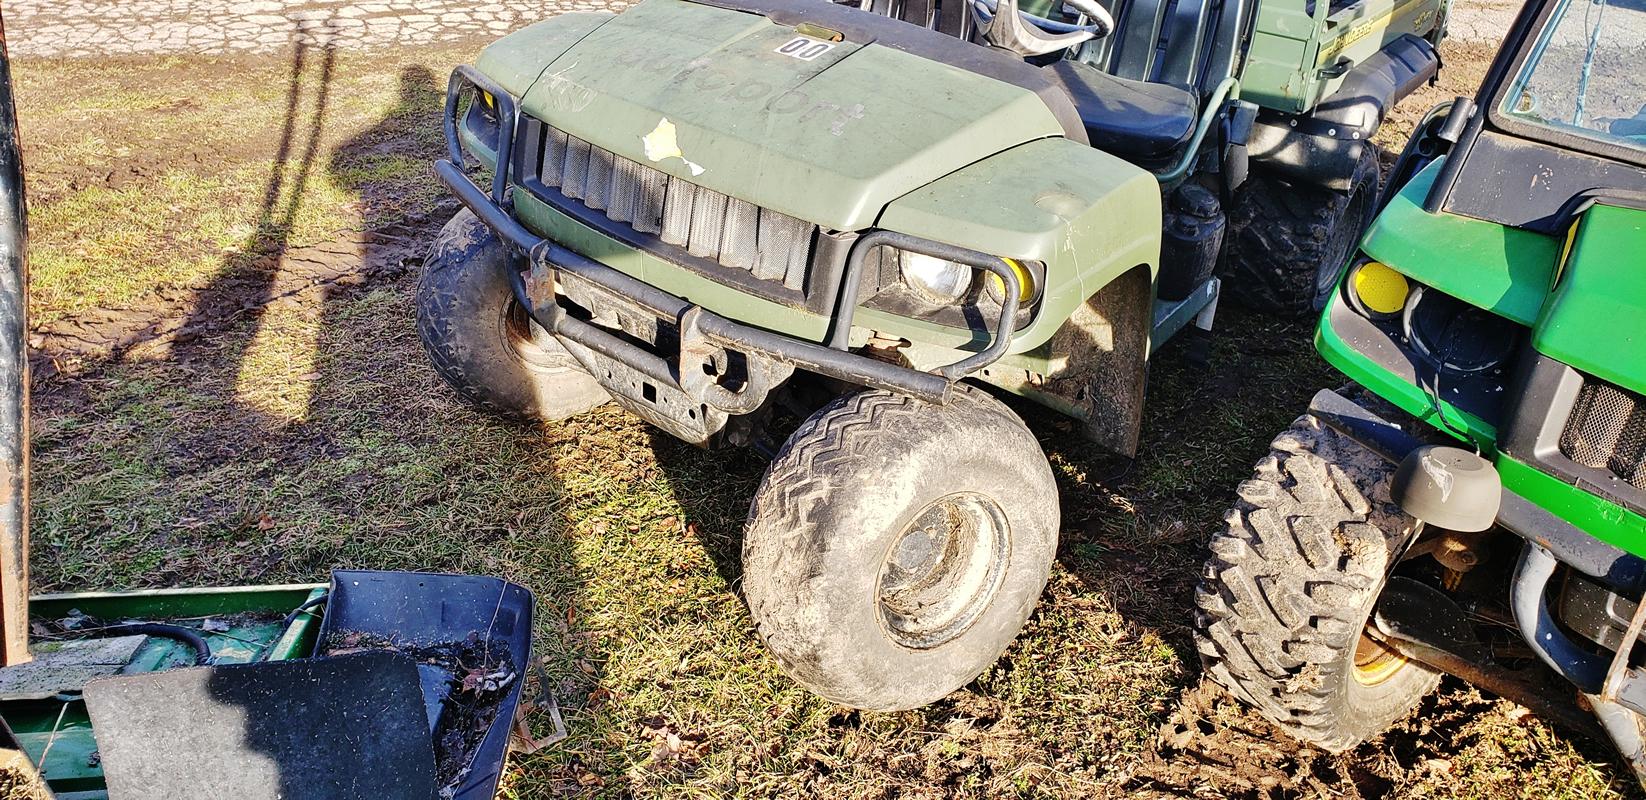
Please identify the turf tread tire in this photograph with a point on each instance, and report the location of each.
(796, 526)
(463, 298)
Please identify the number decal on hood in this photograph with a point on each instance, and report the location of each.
(805, 48)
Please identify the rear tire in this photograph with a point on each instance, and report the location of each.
(896, 547)
(1288, 243)
(480, 339)
(1291, 583)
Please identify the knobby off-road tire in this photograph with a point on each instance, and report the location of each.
(481, 341)
(1288, 243)
(838, 554)
(1291, 582)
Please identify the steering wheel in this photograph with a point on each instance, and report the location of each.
(1006, 27)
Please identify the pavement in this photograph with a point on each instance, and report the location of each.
(97, 28)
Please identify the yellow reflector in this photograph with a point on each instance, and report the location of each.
(491, 102)
(1025, 283)
(1380, 289)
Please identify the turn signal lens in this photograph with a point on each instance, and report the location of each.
(1027, 291)
(1379, 290)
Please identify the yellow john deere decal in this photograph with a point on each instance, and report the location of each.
(1364, 28)
(1565, 252)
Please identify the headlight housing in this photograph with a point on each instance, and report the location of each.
(1375, 290)
(929, 288)
(480, 127)
(479, 122)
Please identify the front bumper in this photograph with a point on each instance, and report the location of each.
(690, 381)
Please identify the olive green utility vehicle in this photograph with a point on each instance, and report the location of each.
(723, 214)
(1476, 503)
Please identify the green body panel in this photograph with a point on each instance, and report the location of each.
(1593, 514)
(1087, 215)
(1596, 516)
(69, 765)
(515, 61)
(1409, 397)
(1290, 46)
(725, 300)
(936, 152)
(1595, 319)
(1591, 319)
(1505, 270)
(831, 140)
(1283, 42)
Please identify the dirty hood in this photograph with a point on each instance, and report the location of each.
(828, 132)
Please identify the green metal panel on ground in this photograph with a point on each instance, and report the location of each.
(830, 140)
(253, 616)
(1505, 270)
(1595, 320)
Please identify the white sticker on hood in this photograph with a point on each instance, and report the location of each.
(660, 144)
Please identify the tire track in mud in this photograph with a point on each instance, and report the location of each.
(302, 275)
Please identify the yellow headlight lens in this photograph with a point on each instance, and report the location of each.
(1380, 289)
(1026, 290)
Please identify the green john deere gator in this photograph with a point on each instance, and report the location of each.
(1492, 453)
(725, 213)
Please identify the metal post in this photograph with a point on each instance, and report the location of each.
(14, 382)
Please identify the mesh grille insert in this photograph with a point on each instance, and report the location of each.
(1607, 430)
(707, 224)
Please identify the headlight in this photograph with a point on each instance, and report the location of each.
(1377, 291)
(940, 282)
(1456, 337)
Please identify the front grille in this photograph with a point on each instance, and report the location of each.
(770, 245)
(1607, 430)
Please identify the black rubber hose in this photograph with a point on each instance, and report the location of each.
(188, 636)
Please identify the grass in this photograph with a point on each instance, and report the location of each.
(309, 433)
(150, 174)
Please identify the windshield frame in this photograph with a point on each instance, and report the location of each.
(1567, 137)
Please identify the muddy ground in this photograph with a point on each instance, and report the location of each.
(228, 390)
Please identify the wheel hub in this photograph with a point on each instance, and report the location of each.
(1375, 662)
(943, 569)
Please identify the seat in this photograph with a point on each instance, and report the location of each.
(1136, 120)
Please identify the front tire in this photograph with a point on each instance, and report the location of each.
(1291, 583)
(480, 339)
(895, 547)
(1288, 243)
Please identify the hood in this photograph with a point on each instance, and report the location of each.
(829, 132)
(1595, 318)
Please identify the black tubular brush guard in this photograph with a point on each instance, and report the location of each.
(703, 334)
